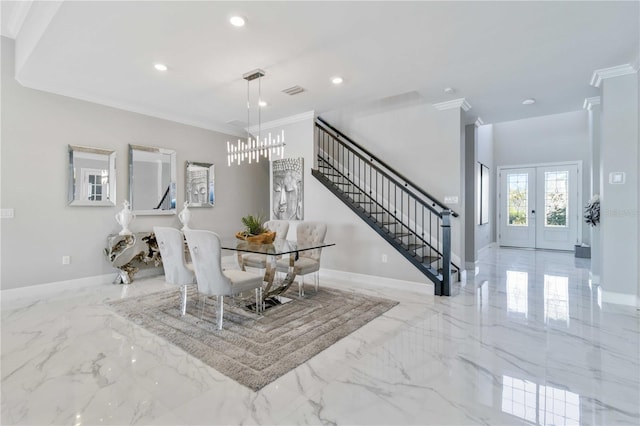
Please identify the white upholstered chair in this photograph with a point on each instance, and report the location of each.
(259, 261)
(206, 254)
(176, 270)
(309, 260)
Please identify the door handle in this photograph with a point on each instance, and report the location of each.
(533, 212)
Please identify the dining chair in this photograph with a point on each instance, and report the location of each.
(176, 270)
(259, 261)
(308, 261)
(206, 254)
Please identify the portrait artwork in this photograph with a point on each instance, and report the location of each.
(287, 190)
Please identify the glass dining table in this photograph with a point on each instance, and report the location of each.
(273, 252)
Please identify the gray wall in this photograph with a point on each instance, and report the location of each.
(547, 139)
(359, 248)
(619, 202)
(422, 143)
(594, 135)
(36, 129)
(471, 194)
(486, 234)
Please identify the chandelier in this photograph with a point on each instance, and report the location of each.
(252, 148)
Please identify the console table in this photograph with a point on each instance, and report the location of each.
(130, 252)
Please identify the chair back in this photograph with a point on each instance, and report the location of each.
(280, 227)
(206, 254)
(311, 232)
(171, 245)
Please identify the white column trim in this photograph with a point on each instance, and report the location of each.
(456, 103)
(617, 71)
(590, 103)
(620, 298)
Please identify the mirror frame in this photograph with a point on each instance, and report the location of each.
(172, 183)
(110, 158)
(210, 168)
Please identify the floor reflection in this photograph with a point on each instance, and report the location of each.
(539, 404)
(556, 299)
(518, 294)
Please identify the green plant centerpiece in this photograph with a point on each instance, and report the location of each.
(254, 232)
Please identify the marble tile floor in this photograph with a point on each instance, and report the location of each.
(525, 341)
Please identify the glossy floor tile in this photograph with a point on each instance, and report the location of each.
(525, 341)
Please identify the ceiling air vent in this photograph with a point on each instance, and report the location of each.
(294, 90)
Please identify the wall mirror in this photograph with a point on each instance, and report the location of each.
(200, 189)
(92, 176)
(152, 180)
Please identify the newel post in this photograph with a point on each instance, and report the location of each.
(446, 253)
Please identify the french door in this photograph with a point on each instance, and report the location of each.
(538, 206)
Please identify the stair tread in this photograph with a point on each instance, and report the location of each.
(402, 235)
(415, 246)
(426, 260)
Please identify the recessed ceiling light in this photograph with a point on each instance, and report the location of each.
(263, 103)
(529, 101)
(160, 67)
(237, 21)
(449, 90)
(337, 80)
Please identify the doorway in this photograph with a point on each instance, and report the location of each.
(538, 206)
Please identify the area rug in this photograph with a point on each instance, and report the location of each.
(254, 350)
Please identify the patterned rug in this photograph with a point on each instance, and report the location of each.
(254, 350)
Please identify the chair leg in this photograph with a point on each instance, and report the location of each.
(258, 301)
(220, 311)
(301, 286)
(183, 291)
(204, 303)
(317, 279)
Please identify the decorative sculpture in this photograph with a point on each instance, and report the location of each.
(185, 216)
(124, 218)
(130, 252)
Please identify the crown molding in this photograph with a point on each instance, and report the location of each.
(479, 122)
(589, 103)
(309, 115)
(617, 71)
(456, 103)
(123, 106)
(19, 13)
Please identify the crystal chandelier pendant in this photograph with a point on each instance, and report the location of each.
(252, 148)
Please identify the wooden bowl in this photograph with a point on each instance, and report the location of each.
(264, 238)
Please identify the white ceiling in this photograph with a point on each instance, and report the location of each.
(494, 54)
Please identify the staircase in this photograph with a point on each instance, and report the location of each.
(413, 222)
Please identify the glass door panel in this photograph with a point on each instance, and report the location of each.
(516, 217)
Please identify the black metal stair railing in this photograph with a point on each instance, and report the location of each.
(412, 221)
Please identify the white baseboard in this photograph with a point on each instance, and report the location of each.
(40, 290)
(471, 266)
(377, 281)
(620, 298)
(49, 289)
(488, 246)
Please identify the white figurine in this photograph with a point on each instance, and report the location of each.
(124, 218)
(185, 216)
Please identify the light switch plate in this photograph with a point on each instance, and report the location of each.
(617, 178)
(451, 199)
(6, 213)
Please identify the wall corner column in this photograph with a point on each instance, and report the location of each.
(619, 183)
